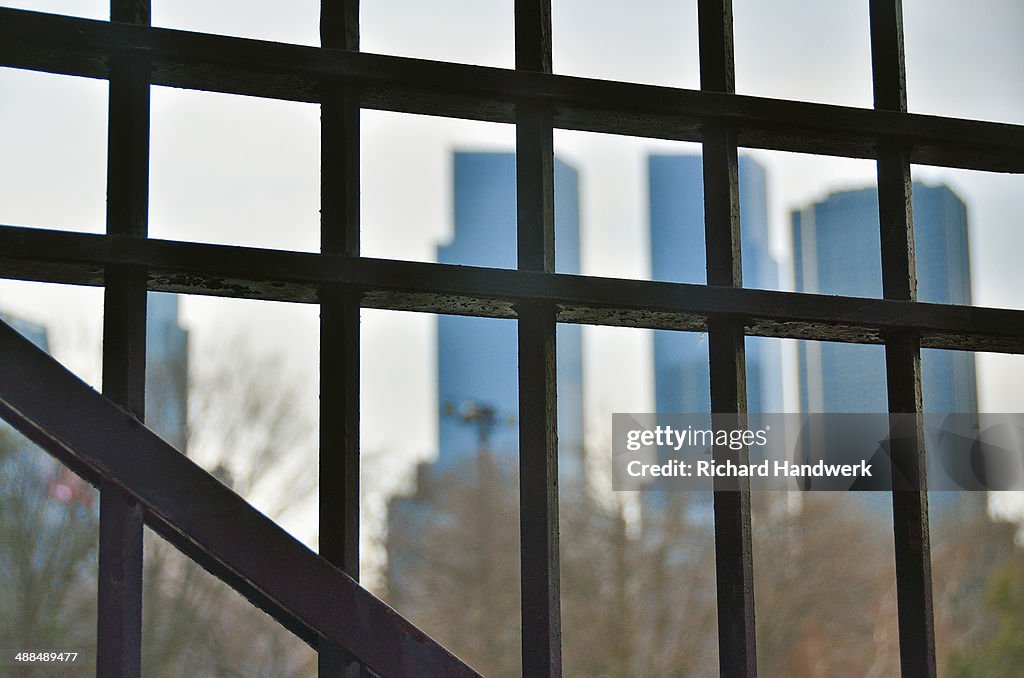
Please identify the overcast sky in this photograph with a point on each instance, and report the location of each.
(245, 171)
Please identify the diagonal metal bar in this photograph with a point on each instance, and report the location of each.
(240, 66)
(72, 422)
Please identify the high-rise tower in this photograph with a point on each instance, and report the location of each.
(676, 199)
(836, 250)
(477, 357)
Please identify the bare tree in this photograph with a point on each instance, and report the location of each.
(968, 558)
(47, 554)
(632, 604)
(638, 597)
(456, 571)
(247, 426)
(824, 582)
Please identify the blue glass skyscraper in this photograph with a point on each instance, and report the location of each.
(477, 357)
(166, 370)
(676, 201)
(836, 250)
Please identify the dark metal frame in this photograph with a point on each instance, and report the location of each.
(209, 523)
(132, 56)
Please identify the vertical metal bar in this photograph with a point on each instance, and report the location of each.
(119, 585)
(119, 638)
(737, 654)
(339, 323)
(533, 35)
(538, 493)
(538, 421)
(903, 353)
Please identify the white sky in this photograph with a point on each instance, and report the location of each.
(244, 171)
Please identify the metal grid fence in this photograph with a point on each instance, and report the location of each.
(132, 56)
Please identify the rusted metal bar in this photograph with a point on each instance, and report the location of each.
(339, 322)
(265, 69)
(119, 575)
(538, 493)
(910, 512)
(902, 352)
(538, 421)
(195, 268)
(55, 409)
(119, 592)
(737, 654)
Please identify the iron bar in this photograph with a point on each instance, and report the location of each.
(119, 576)
(339, 321)
(84, 47)
(538, 421)
(737, 654)
(195, 268)
(55, 409)
(902, 352)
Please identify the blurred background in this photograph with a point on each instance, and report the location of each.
(234, 383)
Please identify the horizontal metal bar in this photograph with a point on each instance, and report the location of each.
(84, 47)
(221, 270)
(74, 423)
